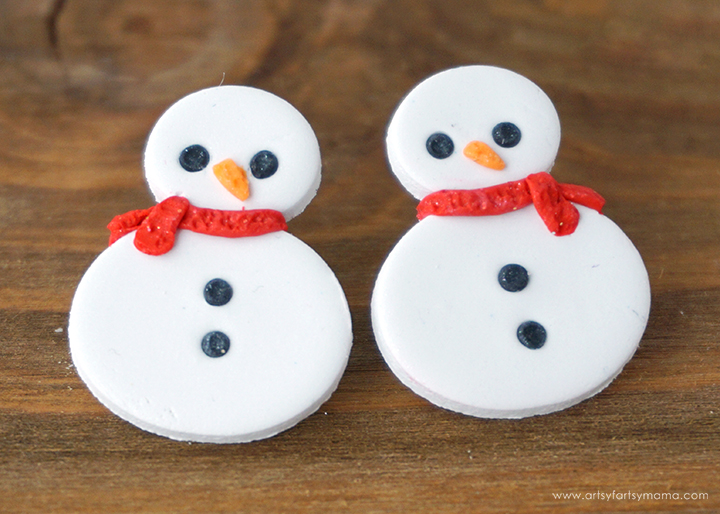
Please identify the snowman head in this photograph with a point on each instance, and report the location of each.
(471, 127)
(234, 148)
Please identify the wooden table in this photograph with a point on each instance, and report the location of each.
(637, 86)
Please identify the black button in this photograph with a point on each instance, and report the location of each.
(215, 344)
(218, 292)
(513, 278)
(532, 335)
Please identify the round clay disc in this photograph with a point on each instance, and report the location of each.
(451, 330)
(141, 326)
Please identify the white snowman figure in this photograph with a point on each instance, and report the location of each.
(204, 320)
(513, 296)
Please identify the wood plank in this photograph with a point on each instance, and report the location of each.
(636, 86)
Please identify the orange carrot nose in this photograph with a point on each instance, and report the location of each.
(233, 178)
(483, 155)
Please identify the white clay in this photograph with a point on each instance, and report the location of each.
(443, 322)
(137, 321)
(235, 122)
(466, 103)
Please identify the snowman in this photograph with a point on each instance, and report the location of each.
(205, 320)
(513, 296)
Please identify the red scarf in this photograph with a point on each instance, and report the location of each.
(157, 225)
(551, 199)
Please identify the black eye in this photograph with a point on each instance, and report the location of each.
(506, 134)
(264, 164)
(440, 145)
(194, 158)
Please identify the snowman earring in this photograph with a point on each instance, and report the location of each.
(204, 320)
(490, 306)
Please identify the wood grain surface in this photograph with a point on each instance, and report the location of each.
(637, 87)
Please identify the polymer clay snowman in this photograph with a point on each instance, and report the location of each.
(205, 320)
(513, 296)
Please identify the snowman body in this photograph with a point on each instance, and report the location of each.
(448, 329)
(138, 322)
(218, 339)
(495, 315)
